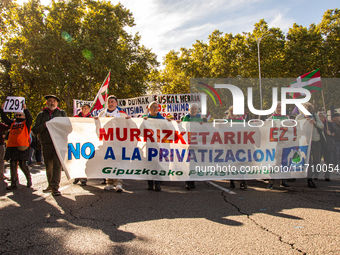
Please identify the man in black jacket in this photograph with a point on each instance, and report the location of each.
(51, 160)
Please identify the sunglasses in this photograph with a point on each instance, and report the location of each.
(18, 115)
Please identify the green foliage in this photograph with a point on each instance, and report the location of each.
(68, 48)
(300, 51)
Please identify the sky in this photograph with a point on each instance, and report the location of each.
(166, 25)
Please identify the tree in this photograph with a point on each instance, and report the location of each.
(300, 51)
(330, 32)
(67, 50)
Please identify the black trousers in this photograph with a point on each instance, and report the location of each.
(14, 170)
(53, 166)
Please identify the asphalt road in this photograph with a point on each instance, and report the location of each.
(206, 220)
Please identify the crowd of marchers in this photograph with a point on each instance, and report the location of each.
(19, 140)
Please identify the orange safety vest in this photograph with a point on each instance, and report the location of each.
(18, 135)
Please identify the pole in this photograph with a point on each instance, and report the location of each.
(258, 56)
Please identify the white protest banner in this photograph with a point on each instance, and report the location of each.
(155, 149)
(175, 104)
(77, 104)
(14, 104)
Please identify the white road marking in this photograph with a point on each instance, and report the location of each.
(221, 188)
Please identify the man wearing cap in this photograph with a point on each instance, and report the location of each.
(85, 111)
(112, 110)
(52, 163)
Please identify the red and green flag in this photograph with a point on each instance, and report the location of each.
(100, 100)
(310, 81)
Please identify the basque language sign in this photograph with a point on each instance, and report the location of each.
(155, 149)
(175, 104)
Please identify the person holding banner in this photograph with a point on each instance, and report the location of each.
(193, 116)
(18, 144)
(277, 116)
(235, 118)
(315, 155)
(154, 114)
(51, 160)
(111, 111)
(85, 113)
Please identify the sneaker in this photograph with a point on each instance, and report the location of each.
(75, 181)
(327, 179)
(48, 189)
(284, 185)
(119, 188)
(104, 182)
(108, 187)
(243, 185)
(270, 186)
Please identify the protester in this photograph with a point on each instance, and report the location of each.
(85, 113)
(111, 111)
(235, 118)
(327, 146)
(277, 116)
(336, 153)
(17, 148)
(154, 114)
(3, 129)
(192, 116)
(316, 143)
(51, 160)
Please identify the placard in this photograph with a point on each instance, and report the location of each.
(14, 104)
